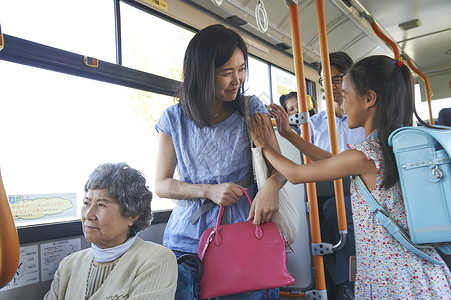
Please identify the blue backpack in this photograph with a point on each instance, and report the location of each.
(423, 161)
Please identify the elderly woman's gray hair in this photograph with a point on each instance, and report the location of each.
(128, 187)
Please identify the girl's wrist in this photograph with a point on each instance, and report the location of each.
(288, 134)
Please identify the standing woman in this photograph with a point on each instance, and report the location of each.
(205, 137)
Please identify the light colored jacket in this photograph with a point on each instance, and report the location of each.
(146, 271)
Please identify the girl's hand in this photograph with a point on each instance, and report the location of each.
(261, 132)
(281, 118)
(225, 194)
(265, 204)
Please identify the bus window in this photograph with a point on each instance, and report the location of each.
(152, 44)
(83, 26)
(58, 127)
(422, 105)
(258, 80)
(283, 82)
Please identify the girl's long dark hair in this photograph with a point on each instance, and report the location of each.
(393, 83)
(209, 49)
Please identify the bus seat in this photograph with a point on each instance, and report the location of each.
(326, 188)
(185, 290)
(300, 261)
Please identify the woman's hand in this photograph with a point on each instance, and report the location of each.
(224, 194)
(281, 118)
(265, 204)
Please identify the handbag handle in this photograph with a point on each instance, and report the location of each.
(258, 232)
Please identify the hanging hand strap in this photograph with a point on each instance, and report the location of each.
(391, 225)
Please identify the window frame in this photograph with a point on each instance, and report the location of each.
(37, 55)
(37, 233)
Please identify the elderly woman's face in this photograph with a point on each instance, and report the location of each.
(103, 221)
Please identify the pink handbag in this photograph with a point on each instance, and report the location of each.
(242, 257)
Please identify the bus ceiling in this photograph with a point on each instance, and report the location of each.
(413, 26)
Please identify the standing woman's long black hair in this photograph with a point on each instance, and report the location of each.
(209, 49)
(393, 83)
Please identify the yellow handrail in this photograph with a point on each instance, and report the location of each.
(305, 131)
(338, 184)
(9, 240)
(386, 39)
(397, 54)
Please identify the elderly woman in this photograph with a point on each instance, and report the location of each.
(119, 265)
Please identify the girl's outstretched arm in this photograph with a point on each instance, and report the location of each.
(284, 129)
(350, 162)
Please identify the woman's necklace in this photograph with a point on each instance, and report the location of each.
(220, 112)
(221, 115)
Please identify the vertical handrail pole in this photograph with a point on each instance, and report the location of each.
(9, 240)
(325, 63)
(305, 131)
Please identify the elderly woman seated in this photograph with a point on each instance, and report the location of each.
(119, 265)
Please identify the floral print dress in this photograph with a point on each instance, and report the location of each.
(385, 268)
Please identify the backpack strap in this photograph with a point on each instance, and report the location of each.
(391, 225)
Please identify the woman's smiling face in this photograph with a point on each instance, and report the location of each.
(229, 77)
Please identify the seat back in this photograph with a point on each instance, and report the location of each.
(300, 262)
(326, 188)
(188, 285)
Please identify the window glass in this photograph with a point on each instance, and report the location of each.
(422, 105)
(85, 27)
(151, 44)
(58, 128)
(283, 82)
(258, 80)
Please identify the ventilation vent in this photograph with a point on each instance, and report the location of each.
(283, 46)
(316, 64)
(347, 2)
(410, 24)
(236, 20)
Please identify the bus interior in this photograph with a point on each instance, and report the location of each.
(84, 82)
